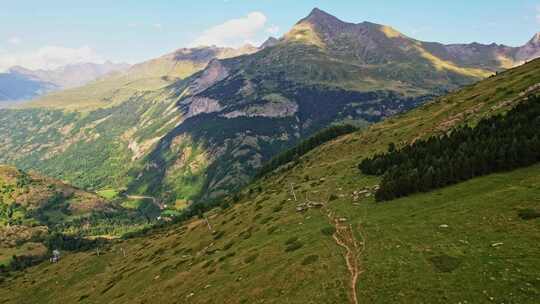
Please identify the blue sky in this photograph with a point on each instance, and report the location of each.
(37, 33)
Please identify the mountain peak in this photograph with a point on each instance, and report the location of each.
(318, 16)
(535, 40)
(270, 42)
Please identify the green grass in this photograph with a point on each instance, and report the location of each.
(108, 193)
(466, 243)
(132, 203)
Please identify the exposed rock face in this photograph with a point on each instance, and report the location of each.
(270, 42)
(199, 105)
(531, 50)
(235, 112)
(267, 109)
(214, 72)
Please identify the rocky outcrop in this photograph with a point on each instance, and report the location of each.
(531, 50)
(198, 105)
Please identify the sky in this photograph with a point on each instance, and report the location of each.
(48, 34)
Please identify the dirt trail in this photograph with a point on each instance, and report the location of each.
(344, 237)
(153, 199)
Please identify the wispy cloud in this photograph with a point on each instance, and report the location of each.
(49, 57)
(234, 32)
(538, 13)
(273, 29)
(15, 40)
(158, 26)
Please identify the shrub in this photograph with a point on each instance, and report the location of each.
(228, 245)
(272, 229)
(293, 246)
(245, 234)
(228, 255)
(329, 230)
(208, 263)
(251, 258)
(218, 235)
(528, 214)
(266, 220)
(310, 259)
(291, 240)
(445, 263)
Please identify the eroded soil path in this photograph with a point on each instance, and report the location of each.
(344, 237)
(141, 197)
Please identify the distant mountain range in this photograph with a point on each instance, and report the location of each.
(197, 123)
(19, 83)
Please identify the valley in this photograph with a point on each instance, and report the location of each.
(339, 163)
(195, 125)
(477, 231)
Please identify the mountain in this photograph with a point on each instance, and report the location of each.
(314, 227)
(15, 87)
(196, 124)
(31, 205)
(530, 50)
(322, 71)
(151, 75)
(19, 83)
(39, 214)
(73, 75)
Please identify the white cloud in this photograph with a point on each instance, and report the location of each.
(234, 32)
(15, 40)
(49, 57)
(158, 26)
(538, 13)
(273, 29)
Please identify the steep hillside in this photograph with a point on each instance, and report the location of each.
(241, 111)
(196, 124)
(36, 211)
(311, 232)
(151, 75)
(31, 206)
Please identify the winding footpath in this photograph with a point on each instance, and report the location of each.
(344, 237)
(153, 199)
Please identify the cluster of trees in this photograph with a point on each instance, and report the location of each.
(73, 243)
(305, 146)
(20, 263)
(495, 144)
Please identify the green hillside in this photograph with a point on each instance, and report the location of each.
(311, 231)
(196, 124)
(31, 207)
(37, 211)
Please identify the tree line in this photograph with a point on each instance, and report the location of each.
(305, 146)
(495, 144)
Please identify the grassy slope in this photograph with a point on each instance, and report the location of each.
(37, 198)
(403, 252)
